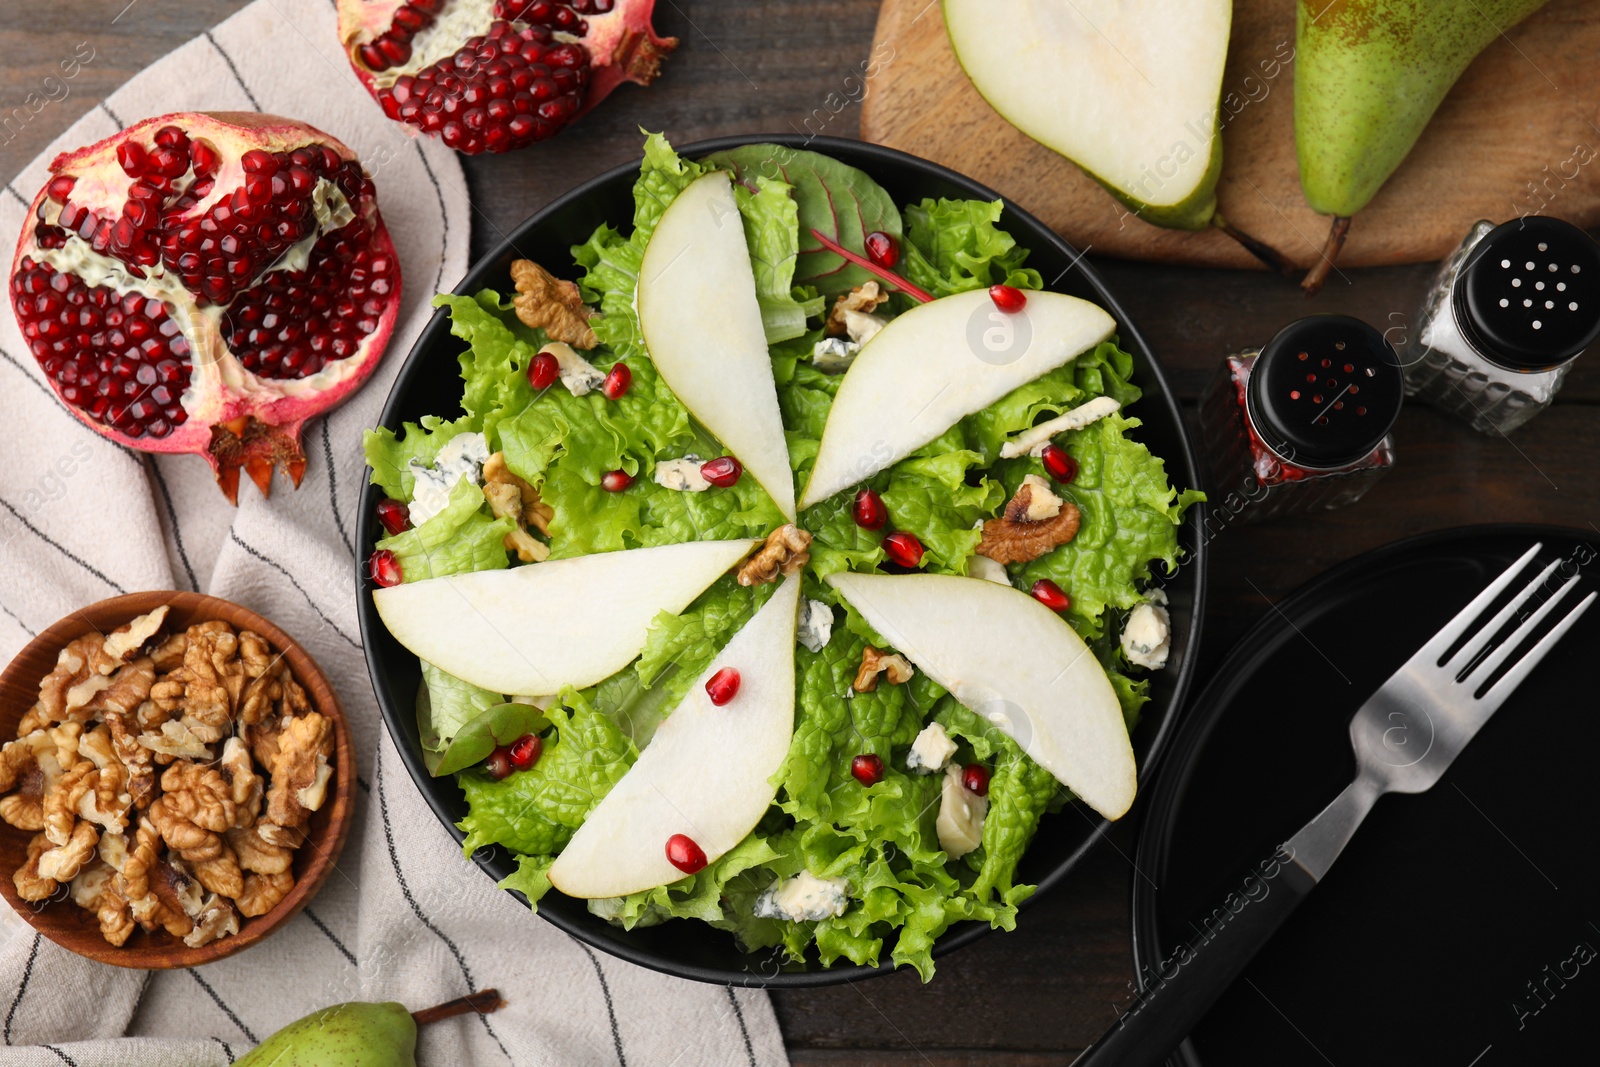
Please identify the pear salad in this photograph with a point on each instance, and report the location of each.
(787, 564)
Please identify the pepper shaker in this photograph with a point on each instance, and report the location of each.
(1303, 423)
(1510, 311)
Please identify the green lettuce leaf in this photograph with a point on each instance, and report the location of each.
(1130, 515)
(531, 878)
(536, 811)
(698, 896)
(954, 245)
(462, 537)
(772, 231)
(389, 455)
(445, 705)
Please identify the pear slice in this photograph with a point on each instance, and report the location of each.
(707, 773)
(1016, 663)
(565, 622)
(1127, 91)
(936, 364)
(701, 322)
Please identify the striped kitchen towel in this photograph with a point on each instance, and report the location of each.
(404, 917)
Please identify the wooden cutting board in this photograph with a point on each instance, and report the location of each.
(1518, 135)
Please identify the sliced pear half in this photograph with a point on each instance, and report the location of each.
(936, 364)
(1015, 662)
(565, 622)
(1129, 91)
(706, 773)
(701, 322)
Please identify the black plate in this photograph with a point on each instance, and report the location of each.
(1419, 945)
(430, 383)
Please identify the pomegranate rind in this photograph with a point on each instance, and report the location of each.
(272, 411)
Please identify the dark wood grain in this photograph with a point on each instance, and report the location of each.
(1524, 104)
(78, 930)
(1037, 996)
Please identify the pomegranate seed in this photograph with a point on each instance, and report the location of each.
(395, 50)
(1062, 467)
(384, 568)
(394, 515)
(498, 764)
(723, 686)
(543, 371)
(868, 510)
(883, 249)
(903, 548)
(617, 382)
(922, 296)
(722, 471)
(1007, 298)
(975, 777)
(1050, 595)
(130, 156)
(615, 481)
(205, 159)
(684, 854)
(412, 19)
(60, 187)
(867, 769)
(172, 137)
(525, 751)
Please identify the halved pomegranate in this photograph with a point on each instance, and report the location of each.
(206, 283)
(496, 75)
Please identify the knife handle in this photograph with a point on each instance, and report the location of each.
(1189, 981)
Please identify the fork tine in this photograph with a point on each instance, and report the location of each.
(1431, 653)
(1514, 677)
(1491, 663)
(1480, 640)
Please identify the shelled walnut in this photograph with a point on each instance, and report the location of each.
(1035, 521)
(786, 550)
(167, 778)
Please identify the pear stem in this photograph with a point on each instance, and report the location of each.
(1318, 274)
(1255, 246)
(866, 264)
(482, 1002)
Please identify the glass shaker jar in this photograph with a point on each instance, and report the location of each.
(1511, 309)
(1303, 423)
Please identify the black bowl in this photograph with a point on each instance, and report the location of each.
(430, 383)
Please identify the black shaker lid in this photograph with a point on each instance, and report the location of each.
(1528, 296)
(1325, 391)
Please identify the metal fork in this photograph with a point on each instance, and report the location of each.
(1405, 737)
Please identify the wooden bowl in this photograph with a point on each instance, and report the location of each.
(72, 927)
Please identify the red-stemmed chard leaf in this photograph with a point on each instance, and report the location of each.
(883, 274)
(835, 200)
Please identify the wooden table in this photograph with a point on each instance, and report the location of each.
(1038, 996)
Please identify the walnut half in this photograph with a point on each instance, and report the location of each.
(784, 553)
(1035, 521)
(512, 498)
(554, 305)
(893, 665)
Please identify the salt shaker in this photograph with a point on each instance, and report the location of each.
(1303, 423)
(1511, 309)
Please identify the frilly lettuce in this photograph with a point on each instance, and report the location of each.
(882, 839)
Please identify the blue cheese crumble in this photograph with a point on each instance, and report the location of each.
(931, 750)
(463, 456)
(804, 898)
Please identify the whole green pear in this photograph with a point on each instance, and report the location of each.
(371, 1035)
(1369, 74)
